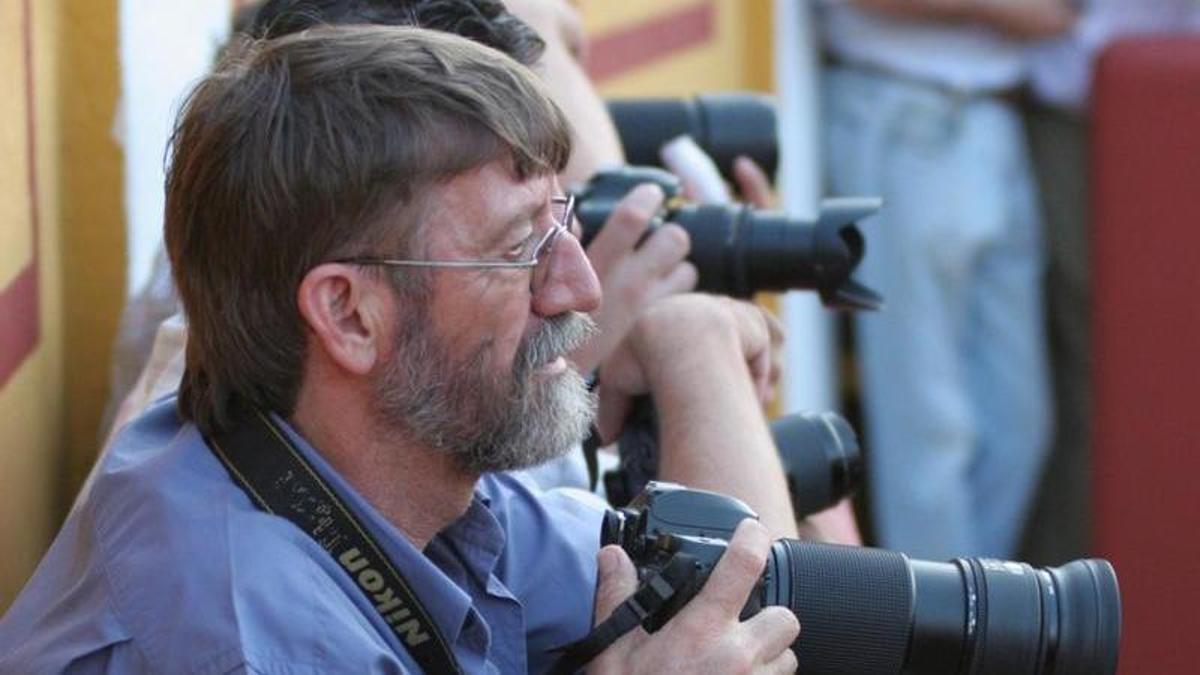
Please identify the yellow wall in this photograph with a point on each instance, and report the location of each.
(93, 222)
(738, 56)
(30, 415)
(49, 406)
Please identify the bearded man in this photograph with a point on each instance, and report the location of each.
(374, 256)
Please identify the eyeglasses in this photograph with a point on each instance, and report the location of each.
(563, 209)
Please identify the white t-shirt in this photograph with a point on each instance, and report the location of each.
(1061, 70)
(971, 59)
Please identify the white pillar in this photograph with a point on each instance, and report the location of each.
(165, 48)
(810, 372)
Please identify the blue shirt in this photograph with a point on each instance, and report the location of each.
(164, 565)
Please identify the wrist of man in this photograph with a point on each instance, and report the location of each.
(949, 11)
(689, 347)
(707, 368)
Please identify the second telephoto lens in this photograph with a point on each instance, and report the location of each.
(876, 612)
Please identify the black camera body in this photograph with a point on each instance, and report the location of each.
(876, 612)
(667, 519)
(739, 250)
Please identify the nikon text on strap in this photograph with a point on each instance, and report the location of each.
(262, 460)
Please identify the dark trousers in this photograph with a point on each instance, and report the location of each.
(1059, 526)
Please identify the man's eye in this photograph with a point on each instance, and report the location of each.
(521, 250)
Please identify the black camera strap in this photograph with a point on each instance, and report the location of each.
(591, 444)
(679, 573)
(591, 448)
(263, 461)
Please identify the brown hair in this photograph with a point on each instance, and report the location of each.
(313, 147)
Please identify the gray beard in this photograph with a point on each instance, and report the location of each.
(486, 422)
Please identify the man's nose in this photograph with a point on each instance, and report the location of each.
(568, 282)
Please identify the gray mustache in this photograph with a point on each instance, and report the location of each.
(557, 336)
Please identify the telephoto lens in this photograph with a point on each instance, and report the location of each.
(820, 457)
(738, 250)
(867, 611)
(723, 125)
(870, 611)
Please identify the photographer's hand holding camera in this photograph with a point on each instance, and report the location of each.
(633, 276)
(707, 359)
(706, 635)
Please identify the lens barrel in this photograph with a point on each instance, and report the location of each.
(739, 251)
(870, 611)
(724, 125)
(821, 458)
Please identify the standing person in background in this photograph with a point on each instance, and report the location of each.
(954, 376)
(1058, 122)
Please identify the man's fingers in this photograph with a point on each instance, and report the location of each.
(784, 663)
(680, 280)
(626, 225)
(729, 585)
(774, 629)
(665, 249)
(753, 183)
(774, 327)
(616, 580)
(753, 327)
(760, 371)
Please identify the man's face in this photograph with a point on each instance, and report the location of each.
(477, 366)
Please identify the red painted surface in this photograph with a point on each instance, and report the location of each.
(20, 319)
(1146, 240)
(635, 46)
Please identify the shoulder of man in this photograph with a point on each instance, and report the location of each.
(165, 564)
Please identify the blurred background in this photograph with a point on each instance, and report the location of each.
(88, 89)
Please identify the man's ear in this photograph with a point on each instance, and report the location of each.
(346, 313)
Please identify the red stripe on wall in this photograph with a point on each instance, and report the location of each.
(20, 315)
(19, 333)
(635, 46)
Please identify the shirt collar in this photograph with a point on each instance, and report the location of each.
(476, 537)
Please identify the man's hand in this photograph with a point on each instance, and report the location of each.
(681, 337)
(707, 361)
(1018, 19)
(753, 184)
(1029, 19)
(706, 635)
(632, 276)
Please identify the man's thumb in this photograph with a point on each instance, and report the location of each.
(617, 580)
